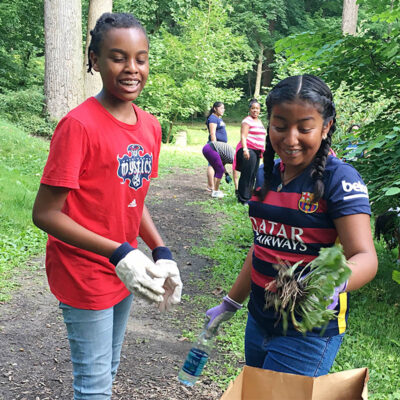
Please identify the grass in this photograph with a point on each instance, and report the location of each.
(373, 335)
(21, 162)
(197, 134)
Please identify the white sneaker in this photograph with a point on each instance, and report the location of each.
(217, 194)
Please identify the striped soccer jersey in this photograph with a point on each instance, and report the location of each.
(287, 225)
(256, 135)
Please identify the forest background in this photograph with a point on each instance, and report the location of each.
(226, 50)
(202, 51)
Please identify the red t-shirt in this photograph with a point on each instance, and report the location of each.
(107, 164)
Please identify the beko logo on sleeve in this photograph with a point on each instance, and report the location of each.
(354, 187)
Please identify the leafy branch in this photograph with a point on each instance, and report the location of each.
(304, 293)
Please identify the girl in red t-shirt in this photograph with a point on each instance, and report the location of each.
(91, 203)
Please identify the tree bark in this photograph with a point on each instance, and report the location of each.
(268, 72)
(349, 17)
(63, 56)
(257, 87)
(92, 82)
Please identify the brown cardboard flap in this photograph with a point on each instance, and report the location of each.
(259, 384)
(348, 384)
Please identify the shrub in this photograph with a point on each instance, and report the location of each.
(26, 109)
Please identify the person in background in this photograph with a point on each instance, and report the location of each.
(216, 133)
(218, 154)
(248, 151)
(102, 157)
(387, 226)
(304, 201)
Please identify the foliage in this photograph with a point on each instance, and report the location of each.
(20, 43)
(369, 63)
(26, 109)
(307, 296)
(191, 71)
(154, 14)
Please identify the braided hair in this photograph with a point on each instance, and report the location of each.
(106, 22)
(311, 89)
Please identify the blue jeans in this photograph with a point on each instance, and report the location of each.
(300, 355)
(95, 339)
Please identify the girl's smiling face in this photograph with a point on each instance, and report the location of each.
(123, 63)
(255, 110)
(296, 130)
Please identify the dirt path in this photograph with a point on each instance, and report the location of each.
(34, 353)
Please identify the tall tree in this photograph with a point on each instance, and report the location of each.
(63, 56)
(349, 17)
(92, 81)
(189, 72)
(257, 20)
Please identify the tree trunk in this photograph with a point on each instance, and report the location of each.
(257, 87)
(63, 56)
(268, 72)
(92, 82)
(249, 82)
(349, 17)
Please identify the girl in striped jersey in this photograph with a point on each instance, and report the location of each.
(248, 151)
(304, 201)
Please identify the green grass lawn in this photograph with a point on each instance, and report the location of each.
(21, 162)
(197, 134)
(373, 335)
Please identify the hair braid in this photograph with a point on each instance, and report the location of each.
(321, 157)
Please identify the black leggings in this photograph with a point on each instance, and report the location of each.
(248, 170)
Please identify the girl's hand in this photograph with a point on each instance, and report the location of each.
(246, 154)
(138, 273)
(223, 312)
(171, 280)
(172, 284)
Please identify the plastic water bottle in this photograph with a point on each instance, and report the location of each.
(197, 358)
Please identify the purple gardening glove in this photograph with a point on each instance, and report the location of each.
(222, 312)
(335, 297)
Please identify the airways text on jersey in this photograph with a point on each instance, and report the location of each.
(276, 235)
(135, 166)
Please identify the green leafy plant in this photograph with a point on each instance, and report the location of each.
(308, 296)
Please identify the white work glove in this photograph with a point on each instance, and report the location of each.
(138, 273)
(172, 283)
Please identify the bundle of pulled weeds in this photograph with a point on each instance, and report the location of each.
(303, 293)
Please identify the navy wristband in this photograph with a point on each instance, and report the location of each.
(120, 253)
(161, 253)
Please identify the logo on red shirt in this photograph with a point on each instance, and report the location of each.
(135, 166)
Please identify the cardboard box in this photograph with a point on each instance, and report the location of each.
(260, 384)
